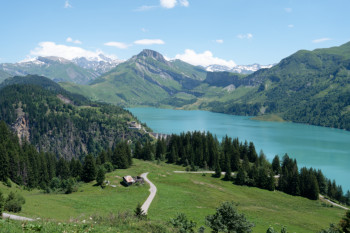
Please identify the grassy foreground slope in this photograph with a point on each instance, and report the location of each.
(192, 194)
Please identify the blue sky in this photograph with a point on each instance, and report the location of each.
(227, 32)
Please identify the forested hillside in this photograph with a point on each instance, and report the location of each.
(57, 121)
(308, 87)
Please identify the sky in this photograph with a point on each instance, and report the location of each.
(201, 32)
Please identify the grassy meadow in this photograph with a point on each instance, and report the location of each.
(195, 195)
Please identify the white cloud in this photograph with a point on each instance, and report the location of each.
(288, 9)
(219, 41)
(116, 44)
(184, 3)
(145, 8)
(168, 3)
(70, 40)
(245, 36)
(203, 59)
(320, 40)
(149, 41)
(291, 25)
(67, 4)
(48, 48)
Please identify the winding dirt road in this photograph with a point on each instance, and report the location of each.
(153, 190)
(15, 217)
(331, 202)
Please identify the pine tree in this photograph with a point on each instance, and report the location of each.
(276, 165)
(241, 177)
(2, 203)
(217, 170)
(4, 163)
(252, 155)
(100, 178)
(89, 169)
(138, 150)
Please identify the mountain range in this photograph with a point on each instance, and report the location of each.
(78, 70)
(308, 86)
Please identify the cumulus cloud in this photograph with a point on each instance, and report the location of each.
(149, 42)
(70, 40)
(320, 40)
(67, 4)
(203, 59)
(184, 3)
(219, 41)
(48, 48)
(116, 44)
(168, 3)
(245, 36)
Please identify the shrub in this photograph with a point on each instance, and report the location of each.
(14, 202)
(227, 219)
(183, 224)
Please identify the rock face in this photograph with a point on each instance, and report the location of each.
(21, 126)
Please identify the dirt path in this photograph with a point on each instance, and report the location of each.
(200, 172)
(15, 217)
(331, 202)
(153, 191)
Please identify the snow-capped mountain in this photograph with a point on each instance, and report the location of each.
(100, 64)
(241, 69)
(78, 70)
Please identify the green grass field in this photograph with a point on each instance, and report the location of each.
(192, 194)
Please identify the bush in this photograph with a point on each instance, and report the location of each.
(227, 219)
(14, 202)
(108, 166)
(183, 224)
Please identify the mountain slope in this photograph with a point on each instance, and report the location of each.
(146, 78)
(307, 87)
(56, 121)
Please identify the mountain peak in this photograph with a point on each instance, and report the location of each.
(152, 54)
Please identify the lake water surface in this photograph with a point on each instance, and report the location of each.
(318, 147)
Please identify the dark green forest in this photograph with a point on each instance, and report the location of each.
(198, 150)
(57, 121)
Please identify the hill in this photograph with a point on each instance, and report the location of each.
(193, 194)
(308, 87)
(147, 78)
(57, 121)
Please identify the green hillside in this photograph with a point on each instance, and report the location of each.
(145, 79)
(57, 121)
(193, 194)
(308, 87)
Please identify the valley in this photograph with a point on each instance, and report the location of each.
(193, 194)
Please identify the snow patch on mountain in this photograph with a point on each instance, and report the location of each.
(241, 69)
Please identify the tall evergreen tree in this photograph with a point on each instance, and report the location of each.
(276, 165)
(138, 150)
(89, 169)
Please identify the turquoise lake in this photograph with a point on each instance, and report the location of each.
(318, 147)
